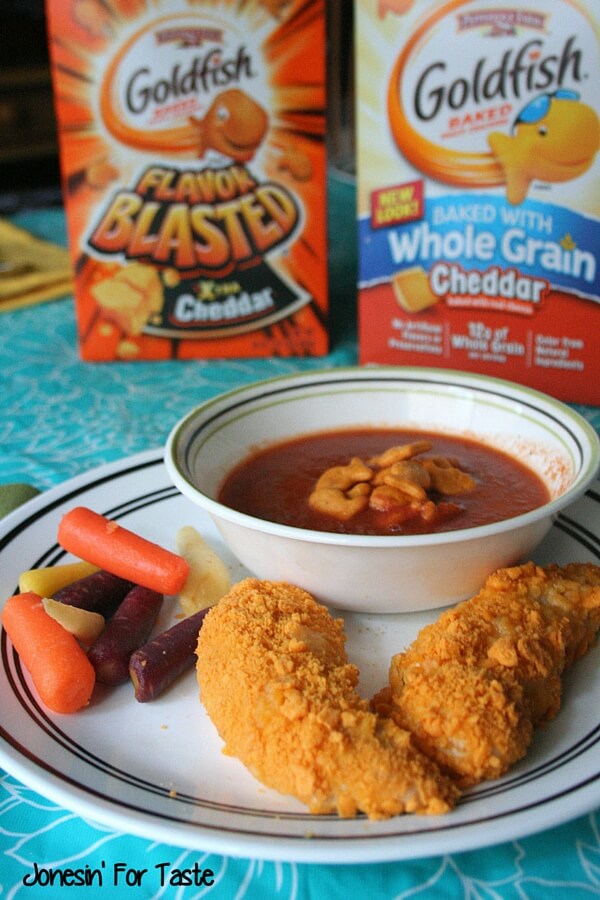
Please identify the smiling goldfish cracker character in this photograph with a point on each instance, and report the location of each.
(555, 138)
(235, 125)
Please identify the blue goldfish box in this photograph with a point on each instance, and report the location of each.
(478, 188)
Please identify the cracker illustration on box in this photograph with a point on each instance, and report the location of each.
(412, 290)
(131, 297)
(192, 147)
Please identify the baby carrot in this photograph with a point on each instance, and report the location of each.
(108, 545)
(156, 664)
(125, 631)
(60, 670)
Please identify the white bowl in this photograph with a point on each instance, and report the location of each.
(384, 574)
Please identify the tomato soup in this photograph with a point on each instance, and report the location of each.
(276, 483)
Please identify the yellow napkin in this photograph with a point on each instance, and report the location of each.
(31, 270)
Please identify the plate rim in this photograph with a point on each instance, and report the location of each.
(322, 849)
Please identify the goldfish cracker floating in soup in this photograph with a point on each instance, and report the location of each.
(478, 164)
(193, 158)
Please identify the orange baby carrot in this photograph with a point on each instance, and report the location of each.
(61, 672)
(108, 545)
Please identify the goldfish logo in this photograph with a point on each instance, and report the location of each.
(445, 98)
(183, 86)
(555, 138)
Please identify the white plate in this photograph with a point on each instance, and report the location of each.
(156, 769)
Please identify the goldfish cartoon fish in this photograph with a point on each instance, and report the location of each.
(234, 125)
(555, 138)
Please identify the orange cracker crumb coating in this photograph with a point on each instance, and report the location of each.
(275, 681)
(473, 685)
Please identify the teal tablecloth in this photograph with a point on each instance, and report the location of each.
(60, 417)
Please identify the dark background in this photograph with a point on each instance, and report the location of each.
(29, 161)
(29, 168)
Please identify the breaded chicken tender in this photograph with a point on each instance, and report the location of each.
(473, 685)
(276, 683)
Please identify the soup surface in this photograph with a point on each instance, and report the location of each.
(278, 483)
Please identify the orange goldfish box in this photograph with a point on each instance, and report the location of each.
(192, 145)
(478, 188)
